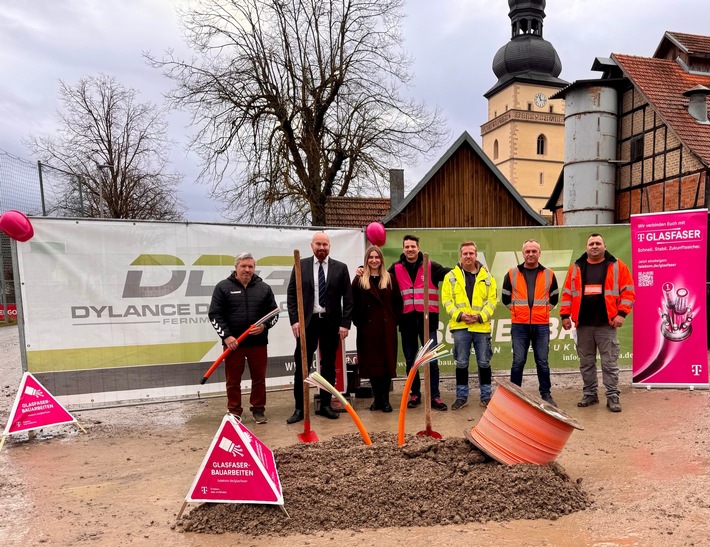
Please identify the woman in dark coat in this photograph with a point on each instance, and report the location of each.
(377, 308)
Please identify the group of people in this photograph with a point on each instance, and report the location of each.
(597, 296)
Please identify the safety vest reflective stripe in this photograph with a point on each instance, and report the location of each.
(618, 291)
(413, 292)
(521, 311)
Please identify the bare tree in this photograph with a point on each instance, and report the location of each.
(116, 149)
(298, 100)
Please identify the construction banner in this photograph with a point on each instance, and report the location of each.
(670, 324)
(501, 249)
(117, 311)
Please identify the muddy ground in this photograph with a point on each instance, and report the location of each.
(640, 477)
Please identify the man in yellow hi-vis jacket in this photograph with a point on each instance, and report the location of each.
(469, 296)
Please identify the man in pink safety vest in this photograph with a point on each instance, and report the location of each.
(409, 272)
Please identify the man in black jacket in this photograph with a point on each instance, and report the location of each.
(410, 278)
(237, 303)
(327, 307)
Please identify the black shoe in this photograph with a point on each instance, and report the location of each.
(459, 403)
(414, 401)
(328, 412)
(297, 416)
(438, 404)
(376, 406)
(386, 407)
(548, 399)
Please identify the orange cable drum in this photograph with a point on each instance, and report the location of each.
(517, 428)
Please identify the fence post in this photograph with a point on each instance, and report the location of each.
(80, 182)
(41, 188)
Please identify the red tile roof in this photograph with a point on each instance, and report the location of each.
(663, 83)
(692, 43)
(355, 212)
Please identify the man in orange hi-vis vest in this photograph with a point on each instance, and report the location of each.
(598, 295)
(530, 291)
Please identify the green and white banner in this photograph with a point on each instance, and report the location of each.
(117, 310)
(500, 249)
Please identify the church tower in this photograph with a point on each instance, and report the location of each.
(525, 132)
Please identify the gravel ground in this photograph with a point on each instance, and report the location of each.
(640, 477)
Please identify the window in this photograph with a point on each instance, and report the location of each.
(529, 106)
(541, 145)
(636, 148)
(552, 109)
(495, 149)
(542, 179)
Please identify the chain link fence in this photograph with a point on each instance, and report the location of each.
(35, 189)
(38, 189)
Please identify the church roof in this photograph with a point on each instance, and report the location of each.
(528, 57)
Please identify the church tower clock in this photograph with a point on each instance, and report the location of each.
(525, 132)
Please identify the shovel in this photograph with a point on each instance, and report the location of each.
(428, 431)
(307, 436)
(239, 341)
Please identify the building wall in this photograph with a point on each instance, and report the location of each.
(515, 122)
(464, 192)
(665, 175)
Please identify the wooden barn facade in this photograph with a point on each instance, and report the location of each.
(464, 189)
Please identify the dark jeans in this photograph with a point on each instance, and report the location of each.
(411, 341)
(255, 356)
(323, 334)
(481, 343)
(523, 337)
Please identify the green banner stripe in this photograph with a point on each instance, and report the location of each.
(214, 260)
(48, 247)
(157, 260)
(112, 357)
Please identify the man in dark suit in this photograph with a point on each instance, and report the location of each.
(327, 307)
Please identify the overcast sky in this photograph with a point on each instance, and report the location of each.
(453, 42)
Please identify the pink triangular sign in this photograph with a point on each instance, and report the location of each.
(238, 468)
(34, 408)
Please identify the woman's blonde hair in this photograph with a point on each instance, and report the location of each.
(384, 274)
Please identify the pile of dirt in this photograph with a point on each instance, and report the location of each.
(344, 484)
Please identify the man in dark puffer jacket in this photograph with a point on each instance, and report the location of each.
(237, 303)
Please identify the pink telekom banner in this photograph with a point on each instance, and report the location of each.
(668, 252)
(238, 468)
(34, 408)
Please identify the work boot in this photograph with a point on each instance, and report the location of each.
(588, 400)
(613, 403)
(459, 403)
(259, 417)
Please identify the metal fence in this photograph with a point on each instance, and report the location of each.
(36, 189)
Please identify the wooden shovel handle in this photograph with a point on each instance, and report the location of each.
(427, 373)
(302, 334)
